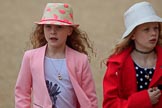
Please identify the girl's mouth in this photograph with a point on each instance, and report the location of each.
(53, 38)
(153, 40)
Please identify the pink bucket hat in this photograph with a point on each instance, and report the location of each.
(138, 14)
(58, 14)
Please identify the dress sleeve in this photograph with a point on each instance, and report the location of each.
(23, 84)
(113, 96)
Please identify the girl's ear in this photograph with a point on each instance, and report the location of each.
(133, 36)
(70, 31)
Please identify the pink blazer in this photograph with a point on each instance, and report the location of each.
(31, 80)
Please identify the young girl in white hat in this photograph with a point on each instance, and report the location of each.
(133, 77)
(56, 72)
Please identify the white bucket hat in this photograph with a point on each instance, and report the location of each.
(138, 14)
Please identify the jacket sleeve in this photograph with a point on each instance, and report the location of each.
(23, 84)
(88, 84)
(112, 95)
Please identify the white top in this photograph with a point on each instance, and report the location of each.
(61, 91)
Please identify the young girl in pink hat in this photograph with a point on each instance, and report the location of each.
(56, 72)
(133, 77)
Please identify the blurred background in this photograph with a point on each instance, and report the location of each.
(101, 19)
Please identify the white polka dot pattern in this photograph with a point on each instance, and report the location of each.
(144, 76)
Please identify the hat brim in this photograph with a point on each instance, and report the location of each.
(57, 23)
(142, 21)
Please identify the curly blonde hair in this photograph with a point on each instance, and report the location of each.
(78, 40)
(127, 42)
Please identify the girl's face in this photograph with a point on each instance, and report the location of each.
(146, 36)
(56, 35)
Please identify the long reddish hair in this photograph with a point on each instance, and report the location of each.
(78, 40)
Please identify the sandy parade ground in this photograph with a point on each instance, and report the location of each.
(101, 19)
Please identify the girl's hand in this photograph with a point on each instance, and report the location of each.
(154, 94)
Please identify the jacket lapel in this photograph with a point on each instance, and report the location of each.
(158, 69)
(70, 62)
(82, 98)
(40, 55)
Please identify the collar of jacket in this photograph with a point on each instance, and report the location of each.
(119, 58)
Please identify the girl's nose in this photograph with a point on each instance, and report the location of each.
(53, 30)
(153, 32)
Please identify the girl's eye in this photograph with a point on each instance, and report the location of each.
(48, 26)
(59, 26)
(146, 29)
(156, 28)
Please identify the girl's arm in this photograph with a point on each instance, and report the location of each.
(88, 84)
(23, 84)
